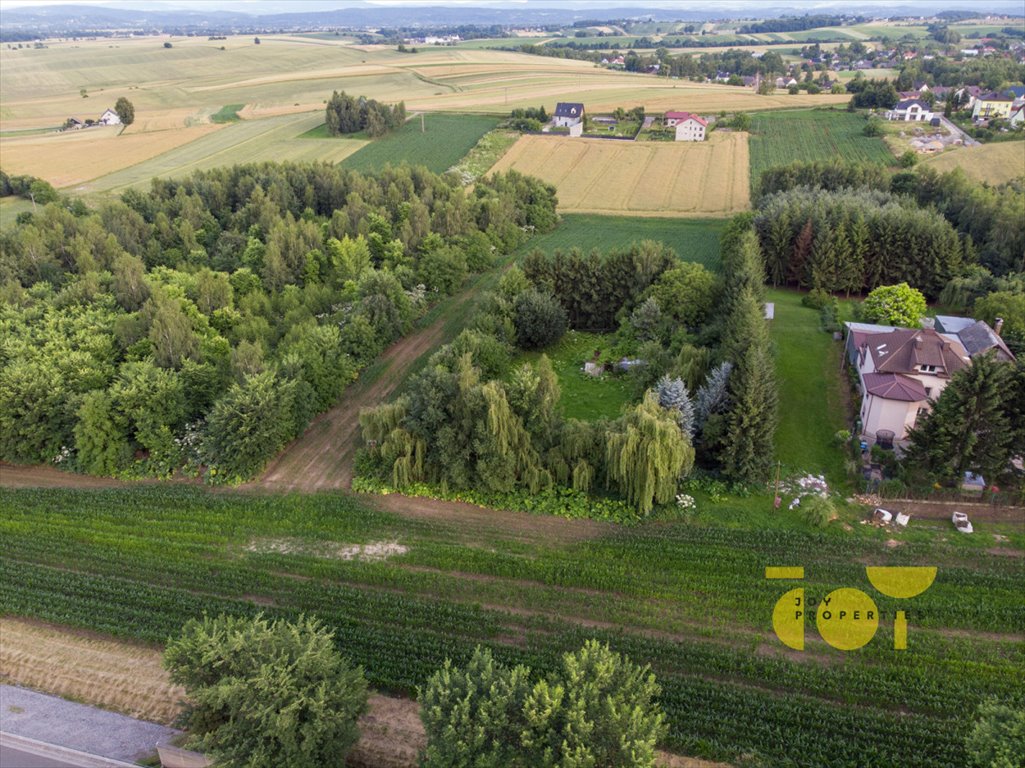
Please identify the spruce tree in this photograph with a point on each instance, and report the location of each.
(821, 269)
(853, 275)
(969, 428)
(802, 252)
(673, 396)
(712, 396)
(749, 426)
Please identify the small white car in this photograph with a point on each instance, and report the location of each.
(961, 522)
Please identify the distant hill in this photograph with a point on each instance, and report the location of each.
(65, 19)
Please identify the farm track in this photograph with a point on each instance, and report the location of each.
(321, 458)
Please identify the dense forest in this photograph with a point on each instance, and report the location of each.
(203, 323)
(906, 208)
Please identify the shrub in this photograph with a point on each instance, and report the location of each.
(816, 298)
(998, 738)
(817, 510)
(266, 694)
(597, 709)
(539, 318)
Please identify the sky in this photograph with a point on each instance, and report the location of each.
(278, 6)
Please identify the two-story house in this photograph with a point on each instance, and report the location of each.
(902, 370)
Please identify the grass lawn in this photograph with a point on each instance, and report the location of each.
(321, 132)
(692, 239)
(446, 140)
(779, 138)
(583, 396)
(811, 388)
(10, 207)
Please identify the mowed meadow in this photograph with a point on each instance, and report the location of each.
(991, 163)
(708, 178)
(178, 91)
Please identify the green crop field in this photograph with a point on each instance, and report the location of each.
(583, 396)
(246, 141)
(446, 139)
(779, 138)
(688, 597)
(226, 114)
(692, 239)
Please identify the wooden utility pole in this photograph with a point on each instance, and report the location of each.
(422, 128)
(776, 500)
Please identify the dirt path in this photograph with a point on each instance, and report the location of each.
(44, 476)
(113, 674)
(492, 523)
(321, 458)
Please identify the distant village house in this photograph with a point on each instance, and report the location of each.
(567, 114)
(910, 110)
(689, 127)
(109, 117)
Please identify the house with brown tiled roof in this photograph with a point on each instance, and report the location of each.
(900, 370)
(903, 370)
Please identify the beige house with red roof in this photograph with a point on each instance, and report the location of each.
(901, 370)
(689, 127)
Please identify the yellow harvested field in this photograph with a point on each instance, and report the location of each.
(73, 157)
(639, 178)
(91, 668)
(992, 163)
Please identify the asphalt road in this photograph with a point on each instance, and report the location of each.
(13, 758)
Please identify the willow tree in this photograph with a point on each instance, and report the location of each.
(648, 454)
(395, 447)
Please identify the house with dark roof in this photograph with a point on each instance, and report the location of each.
(568, 114)
(992, 105)
(903, 370)
(911, 110)
(976, 336)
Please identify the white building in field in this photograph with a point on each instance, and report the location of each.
(911, 110)
(567, 114)
(689, 127)
(109, 117)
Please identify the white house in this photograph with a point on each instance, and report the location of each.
(911, 110)
(568, 114)
(689, 127)
(109, 117)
